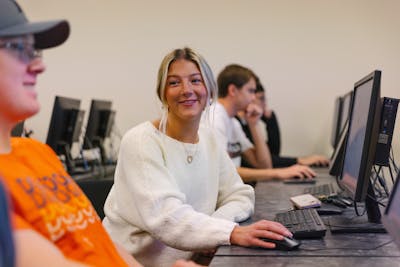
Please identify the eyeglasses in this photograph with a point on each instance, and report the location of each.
(25, 52)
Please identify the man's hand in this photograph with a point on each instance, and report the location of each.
(252, 113)
(298, 171)
(313, 160)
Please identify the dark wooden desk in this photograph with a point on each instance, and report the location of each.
(96, 173)
(325, 261)
(332, 250)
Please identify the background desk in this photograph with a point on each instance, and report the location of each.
(96, 185)
(332, 250)
(96, 172)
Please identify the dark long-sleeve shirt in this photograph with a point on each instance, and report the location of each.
(274, 142)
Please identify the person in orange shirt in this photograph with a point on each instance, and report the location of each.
(54, 222)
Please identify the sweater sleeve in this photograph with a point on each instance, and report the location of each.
(148, 197)
(235, 199)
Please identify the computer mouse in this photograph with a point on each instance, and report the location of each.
(286, 243)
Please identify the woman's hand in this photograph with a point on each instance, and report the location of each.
(249, 236)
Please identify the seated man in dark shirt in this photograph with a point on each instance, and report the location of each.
(272, 135)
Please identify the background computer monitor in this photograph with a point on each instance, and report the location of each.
(18, 129)
(99, 125)
(340, 117)
(65, 127)
(337, 112)
(345, 111)
(336, 161)
(391, 217)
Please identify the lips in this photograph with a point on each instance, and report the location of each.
(188, 102)
(29, 83)
(29, 87)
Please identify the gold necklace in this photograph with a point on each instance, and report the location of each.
(190, 150)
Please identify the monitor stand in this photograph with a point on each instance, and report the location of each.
(349, 222)
(339, 224)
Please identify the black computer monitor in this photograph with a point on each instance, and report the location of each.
(340, 116)
(362, 136)
(336, 161)
(391, 217)
(65, 127)
(337, 113)
(345, 111)
(359, 154)
(99, 125)
(18, 129)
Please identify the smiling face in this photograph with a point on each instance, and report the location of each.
(185, 91)
(18, 75)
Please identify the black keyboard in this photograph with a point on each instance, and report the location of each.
(299, 181)
(321, 191)
(305, 223)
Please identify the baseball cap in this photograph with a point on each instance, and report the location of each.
(14, 23)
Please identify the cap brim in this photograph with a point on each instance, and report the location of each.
(47, 34)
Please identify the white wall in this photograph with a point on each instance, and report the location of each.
(306, 53)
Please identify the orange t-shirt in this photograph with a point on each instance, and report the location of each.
(47, 200)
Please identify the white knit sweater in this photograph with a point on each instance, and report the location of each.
(161, 207)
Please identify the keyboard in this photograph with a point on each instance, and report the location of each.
(321, 191)
(299, 181)
(304, 223)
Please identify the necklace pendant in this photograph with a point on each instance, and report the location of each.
(189, 159)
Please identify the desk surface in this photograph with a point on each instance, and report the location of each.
(289, 261)
(337, 249)
(97, 172)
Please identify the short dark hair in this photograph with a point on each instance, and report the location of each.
(233, 74)
(259, 86)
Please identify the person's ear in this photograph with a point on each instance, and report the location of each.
(232, 89)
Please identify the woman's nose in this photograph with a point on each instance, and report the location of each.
(186, 87)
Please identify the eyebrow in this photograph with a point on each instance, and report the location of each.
(178, 76)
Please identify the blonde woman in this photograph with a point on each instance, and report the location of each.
(176, 190)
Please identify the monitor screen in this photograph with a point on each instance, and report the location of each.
(391, 217)
(337, 112)
(340, 117)
(18, 129)
(106, 123)
(362, 137)
(65, 124)
(99, 123)
(344, 116)
(336, 160)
